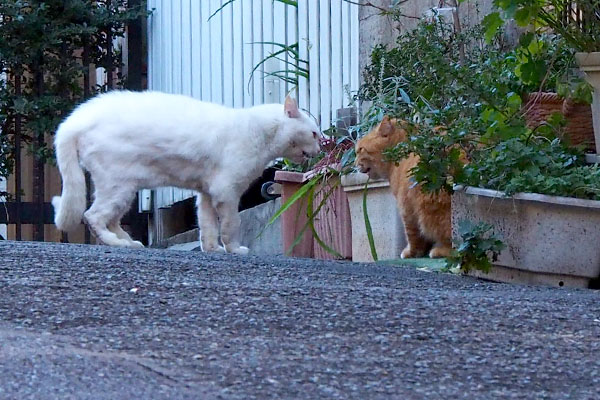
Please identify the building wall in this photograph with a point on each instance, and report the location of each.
(376, 28)
(212, 59)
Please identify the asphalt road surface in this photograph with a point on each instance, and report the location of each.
(92, 322)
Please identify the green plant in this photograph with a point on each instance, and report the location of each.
(368, 228)
(294, 66)
(476, 247)
(426, 81)
(576, 21)
(471, 108)
(46, 48)
(534, 164)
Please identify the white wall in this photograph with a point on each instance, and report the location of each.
(212, 59)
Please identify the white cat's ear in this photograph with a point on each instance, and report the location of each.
(386, 128)
(291, 108)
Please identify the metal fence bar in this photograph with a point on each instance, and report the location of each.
(38, 163)
(135, 49)
(86, 94)
(18, 163)
(109, 55)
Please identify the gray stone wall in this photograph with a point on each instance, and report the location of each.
(377, 28)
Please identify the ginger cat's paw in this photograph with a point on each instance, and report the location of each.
(410, 252)
(439, 252)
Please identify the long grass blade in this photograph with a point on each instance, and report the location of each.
(297, 240)
(295, 197)
(218, 10)
(368, 224)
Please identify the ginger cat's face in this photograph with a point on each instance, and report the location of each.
(369, 157)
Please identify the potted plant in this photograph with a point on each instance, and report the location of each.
(577, 22)
(477, 100)
(544, 201)
(545, 67)
(315, 215)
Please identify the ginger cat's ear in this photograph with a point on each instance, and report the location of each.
(386, 128)
(291, 107)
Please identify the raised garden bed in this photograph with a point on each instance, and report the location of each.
(550, 240)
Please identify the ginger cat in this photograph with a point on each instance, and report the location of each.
(426, 216)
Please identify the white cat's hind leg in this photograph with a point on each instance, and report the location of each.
(100, 230)
(110, 203)
(115, 227)
(230, 227)
(208, 222)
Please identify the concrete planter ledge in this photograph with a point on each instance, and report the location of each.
(536, 197)
(550, 240)
(388, 230)
(350, 181)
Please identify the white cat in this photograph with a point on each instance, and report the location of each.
(131, 140)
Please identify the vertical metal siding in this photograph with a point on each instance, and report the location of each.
(212, 60)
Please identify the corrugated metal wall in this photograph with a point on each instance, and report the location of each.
(212, 59)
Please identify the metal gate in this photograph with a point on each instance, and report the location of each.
(32, 180)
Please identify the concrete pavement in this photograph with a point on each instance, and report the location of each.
(92, 322)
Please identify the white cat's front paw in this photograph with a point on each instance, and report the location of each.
(242, 250)
(135, 244)
(215, 249)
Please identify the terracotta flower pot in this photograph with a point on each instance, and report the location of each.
(332, 222)
(539, 106)
(294, 218)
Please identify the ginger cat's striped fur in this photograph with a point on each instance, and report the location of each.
(426, 216)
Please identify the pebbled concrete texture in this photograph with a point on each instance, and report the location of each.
(254, 233)
(92, 322)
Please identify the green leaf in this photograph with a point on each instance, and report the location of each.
(524, 16)
(368, 228)
(304, 189)
(492, 23)
(514, 100)
(533, 71)
(526, 39)
(218, 10)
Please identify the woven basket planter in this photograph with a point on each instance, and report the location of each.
(539, 106)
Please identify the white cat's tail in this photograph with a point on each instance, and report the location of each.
(70, 206)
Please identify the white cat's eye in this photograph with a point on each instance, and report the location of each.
(315, 134)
